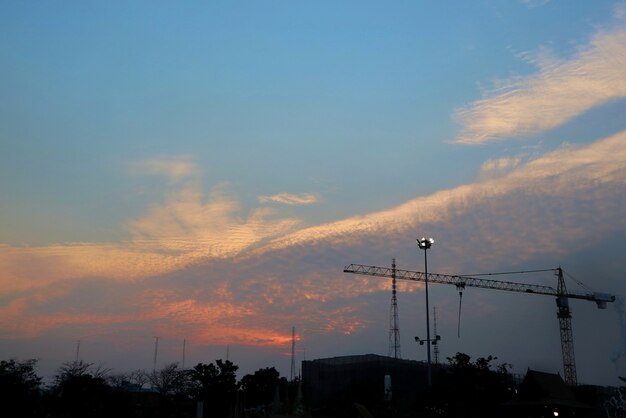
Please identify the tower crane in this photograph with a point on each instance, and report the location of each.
(562, 298)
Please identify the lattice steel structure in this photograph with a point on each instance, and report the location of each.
(561, 293)
(394, 322)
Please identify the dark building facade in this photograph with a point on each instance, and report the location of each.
(333, 386)
(355, 386)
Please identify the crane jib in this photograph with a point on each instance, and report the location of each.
(461, 281)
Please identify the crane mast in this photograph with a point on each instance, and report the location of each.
(562, 298)
(565, 328)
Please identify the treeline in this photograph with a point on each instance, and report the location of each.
(81, 389)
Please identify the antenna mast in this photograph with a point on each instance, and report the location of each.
(293, 353)
(394, 324)
(156, 351)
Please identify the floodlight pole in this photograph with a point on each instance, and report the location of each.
(425, 244)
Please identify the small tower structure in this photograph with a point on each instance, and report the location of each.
(292, 375)
(394, 324)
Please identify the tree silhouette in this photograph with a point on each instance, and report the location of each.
(260, 388)
(19, 386)
(81, 390)
(460, 361)
(216, 385)
(476, 388)
(170, 380)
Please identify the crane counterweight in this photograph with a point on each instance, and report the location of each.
(602, 299)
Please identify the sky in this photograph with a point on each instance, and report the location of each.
(202, 173)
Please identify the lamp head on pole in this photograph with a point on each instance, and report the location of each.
(425, 243)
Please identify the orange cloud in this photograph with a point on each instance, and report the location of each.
(177, 233)
(187, 224)
(33, 267)
(18, 321)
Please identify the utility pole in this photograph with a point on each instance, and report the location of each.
(425, 244)
(436, 346)
(293, 354)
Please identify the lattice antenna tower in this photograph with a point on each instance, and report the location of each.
(435, 346)
(77, 350)
(293, 354)
(156, 352)
(394, 323)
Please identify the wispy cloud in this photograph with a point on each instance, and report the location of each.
(563, 171)
(619, 10)
(191, 224)
(498, 167)
(561, 90)
(188, 226)
(535, 3)
(174, 168)
(290, 199)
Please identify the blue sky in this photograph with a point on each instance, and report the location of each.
(204, 171)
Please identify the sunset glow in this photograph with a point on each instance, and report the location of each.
(205, 175)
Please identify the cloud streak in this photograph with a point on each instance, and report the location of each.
(561, 172)
(187, 227)
(174, 168)
(290, 199)
(188, 224)
(498, 167)
(561, 90)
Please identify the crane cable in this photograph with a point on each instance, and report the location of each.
(581, 284)
(507, 272)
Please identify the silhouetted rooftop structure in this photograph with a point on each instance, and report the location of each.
(545, 394)
(330, 382)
